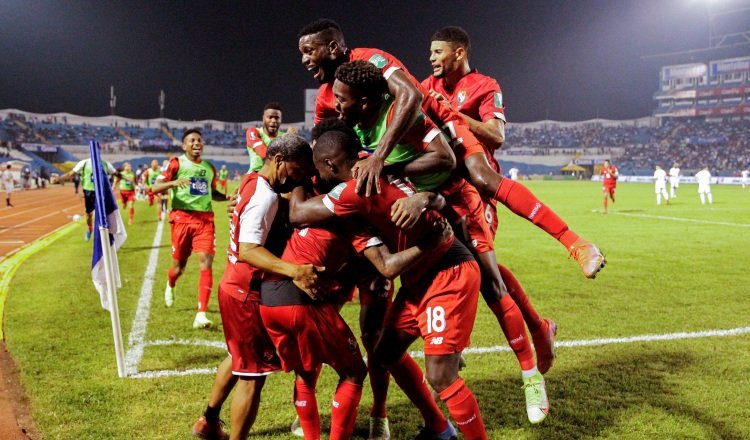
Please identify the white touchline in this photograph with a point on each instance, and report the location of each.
(680, 219)
(138, 328)
(471, 350)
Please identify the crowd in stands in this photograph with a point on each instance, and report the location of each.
(693, 143)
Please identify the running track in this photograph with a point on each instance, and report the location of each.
(35, 214)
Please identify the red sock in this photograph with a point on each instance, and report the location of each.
(605, 203)
(344, 410)
(410, 379)
(530, 315)
(205, 284)
(172, 277)
(307, 409)
(511, 320)
(525, 204)
(379, 381)
(464, 409)
(132, 212)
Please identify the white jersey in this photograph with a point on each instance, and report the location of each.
(704, 179)
(513, 172)
(745, 174)
(660, 178)
(7, 178)
(674, 176)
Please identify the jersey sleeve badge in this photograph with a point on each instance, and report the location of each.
(462, 97)
(335, 193)
(378, 60)
(498, 100)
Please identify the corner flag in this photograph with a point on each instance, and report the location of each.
(108, 217)
(110, 235)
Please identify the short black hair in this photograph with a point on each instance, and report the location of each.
(273, 106)
(319, 25)
(190, 131)
(330, 124)
(363, 76)
(454, 35)
(333, 141)
(292, 147)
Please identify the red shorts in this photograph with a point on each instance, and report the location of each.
(250, 347)
(127, 195)
(306, 336)
(490, 215)
(192, 237)
(609, 189)
(223, 182)
(443, 312)
(466, 211)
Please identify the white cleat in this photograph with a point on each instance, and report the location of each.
(169, 296)
(537, 405)
(379, 429)
(296, 428)
(201, 321)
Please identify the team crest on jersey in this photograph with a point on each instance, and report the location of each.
(498, 99)
(336, 192)
(461, 97)
(378, 60)
(253, 135)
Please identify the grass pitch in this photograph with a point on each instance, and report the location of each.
(673, 268)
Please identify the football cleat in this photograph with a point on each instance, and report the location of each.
(201, 321)
(588, 256)
(209, 430)
(296, 428)
(428, 434)
(544, 345)
(168, 295)
(379, 429)
(537, 405)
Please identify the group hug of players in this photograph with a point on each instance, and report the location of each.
(400, 181)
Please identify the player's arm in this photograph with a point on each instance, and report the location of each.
(216, 195)
(490, 133)
(438, 157)
(406, 106)
(75, 170)
(306, 212)
(405, 212)
(392, 265)
(305, 276)
(166, 180)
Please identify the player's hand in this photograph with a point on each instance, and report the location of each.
(231, 204)
(439, 233)
(307, 278)
(440, 98)
(406, 212)
(367, 172)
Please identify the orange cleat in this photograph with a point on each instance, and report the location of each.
(544, 345)
(209, 430)
(588, 256)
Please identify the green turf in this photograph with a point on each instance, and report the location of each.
(663, 276)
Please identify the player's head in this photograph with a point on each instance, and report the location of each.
(127, 167)
(289, 162)
(336, 151)
(359, 90)
(322, 46)
(675, 165)
(192, 143)
(449, 50)
(272, 118)
(154, 164)
(607, 162)
(223, 167)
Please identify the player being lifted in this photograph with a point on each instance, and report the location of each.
(423, 155)
(258, 139)
(609, 175)
(323, 49)
(192, 182)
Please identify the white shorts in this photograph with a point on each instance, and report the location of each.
(674, 183)
(704, 189)
(8, 187)
(660, 188)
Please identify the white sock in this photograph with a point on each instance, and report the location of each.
(703, 199)
(658, 199)
(710, 199)
(529, 373)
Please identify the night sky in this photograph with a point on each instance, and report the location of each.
(562, 60)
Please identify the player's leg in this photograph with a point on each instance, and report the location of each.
(181, 245)
(245, 404)
(131, 210)
(89, 201)
(524, 203)
(210, 426)
(604, 191)
(710, 197)
(391, 352)
(205, 284)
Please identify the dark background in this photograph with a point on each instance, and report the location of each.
(562, 60)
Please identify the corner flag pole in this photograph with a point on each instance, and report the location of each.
(109, 257)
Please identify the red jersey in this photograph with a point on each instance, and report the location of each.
(345, 202)
(251, 222)
(609, 176)
(258, 140)
(475, 95)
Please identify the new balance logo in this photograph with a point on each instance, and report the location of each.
(335, 404)
(301, 403)
(437, 340)
(516, 340)
(537, 207)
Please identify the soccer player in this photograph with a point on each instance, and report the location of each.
(223, 177)
(323, 49)
(8, 182)
(149, 177)
(513, 173)
(360, 95)
(258, 139)
(660, 185)
(609, 175)
(84, 169)
(745, 177)
(674, 180)
(704, 185)
(192, 182)
(438, 298)
(256, 229)
(126, 179)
